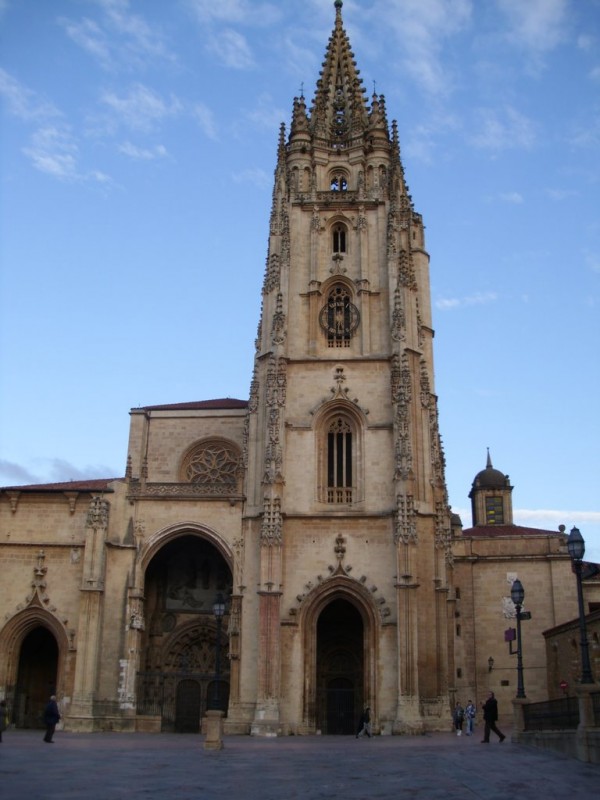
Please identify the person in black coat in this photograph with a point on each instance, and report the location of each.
(51, 718)
(490, 715)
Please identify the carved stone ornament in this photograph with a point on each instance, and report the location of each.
(278, 329)
(270, 533)
(97, 516)
(406, 528)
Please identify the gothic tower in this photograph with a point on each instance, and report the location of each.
(346, 522)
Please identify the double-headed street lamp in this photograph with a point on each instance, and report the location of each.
(576, 548)
(517, 594)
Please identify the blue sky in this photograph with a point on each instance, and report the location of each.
(137, 155)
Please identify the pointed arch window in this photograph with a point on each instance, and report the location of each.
(339, 183)
(339, 317)
(339, 239)
(339, 461)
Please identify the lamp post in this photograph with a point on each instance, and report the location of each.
(517, 594)
(576, 548)
(218, 611)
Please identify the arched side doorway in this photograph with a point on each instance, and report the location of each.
(37, 674)
(177, 680)
(340, 668)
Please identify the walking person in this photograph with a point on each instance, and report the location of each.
(470, 712)
(51, 718)
(3, 717)
(458, 716)
(364, 724)
(490, 715)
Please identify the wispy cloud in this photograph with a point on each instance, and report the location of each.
(52, 146)
(54, 151)
(552, 518)
(424, 138)
(502, 129)
(266, 114)
(587, 135)
(89, 35)
(118, 38)
(421, 28)
(220, 23)
(143, 153)
(22, 102)
(141, 108)
(561, 194)
(543, 518)
(256, 176)
(247, 12)
(231, 49)
(477, 299)
(52, 470)
(536, 25)
(206, 120)
(592, 261)
(13, 474)
(514, 198)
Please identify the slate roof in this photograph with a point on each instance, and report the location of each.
(509, 530)
(222, 403)
(92, 485)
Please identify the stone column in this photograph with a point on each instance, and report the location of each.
(266, 717)
(82, 714)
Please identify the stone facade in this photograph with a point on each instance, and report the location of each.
(317, 510)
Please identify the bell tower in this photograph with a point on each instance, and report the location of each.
(343, 446)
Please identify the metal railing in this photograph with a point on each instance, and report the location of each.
(561, 714)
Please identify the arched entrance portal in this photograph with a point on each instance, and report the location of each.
(340, 668)
(36, 677)
(179, 664)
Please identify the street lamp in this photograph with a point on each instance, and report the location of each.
(517, 594)
(218, 611)
(576, 548)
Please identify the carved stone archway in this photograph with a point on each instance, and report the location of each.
(185, 570)
(12, 637)
(322, 681)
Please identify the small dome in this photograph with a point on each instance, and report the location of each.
(490, 478)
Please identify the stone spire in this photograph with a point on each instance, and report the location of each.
(339, 108)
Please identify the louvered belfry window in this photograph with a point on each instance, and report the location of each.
(339, 462)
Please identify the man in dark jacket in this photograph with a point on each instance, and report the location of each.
(51, 717)
(490, 715)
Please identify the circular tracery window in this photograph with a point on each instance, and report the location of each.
(339, 318)
(213, 463)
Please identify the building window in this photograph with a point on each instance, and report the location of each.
(339, 183)
(214, 466)
(339, 318)
(339, 461)
(339, 239)
(494, 511)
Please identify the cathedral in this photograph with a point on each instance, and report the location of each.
(290, 558)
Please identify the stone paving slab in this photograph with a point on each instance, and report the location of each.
(110, 766)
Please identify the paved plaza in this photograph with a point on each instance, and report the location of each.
(105, 766)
